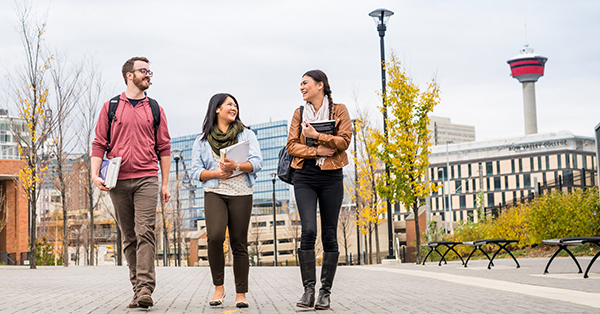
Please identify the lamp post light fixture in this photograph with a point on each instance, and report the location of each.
(274, 178)
(177, 156)
(381, 17)
(449, 217)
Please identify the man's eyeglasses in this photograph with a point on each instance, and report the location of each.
(144, 71)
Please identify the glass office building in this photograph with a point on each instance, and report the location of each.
(272, 137)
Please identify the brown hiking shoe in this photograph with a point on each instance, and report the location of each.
(134, 302)
(145, 300)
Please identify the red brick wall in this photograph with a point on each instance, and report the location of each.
(411, 237)
(14, 237)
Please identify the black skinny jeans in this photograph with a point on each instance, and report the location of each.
(330, 194)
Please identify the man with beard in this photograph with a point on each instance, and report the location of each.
(133, 137)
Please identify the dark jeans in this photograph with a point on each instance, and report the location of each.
(224, 212)
(135, 203)
(329, 195)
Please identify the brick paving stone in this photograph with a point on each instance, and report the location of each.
(406, 288)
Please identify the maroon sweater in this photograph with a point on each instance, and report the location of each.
(132, 138)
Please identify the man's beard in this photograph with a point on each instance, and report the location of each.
(139, 82)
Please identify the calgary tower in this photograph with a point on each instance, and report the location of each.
(528, 67)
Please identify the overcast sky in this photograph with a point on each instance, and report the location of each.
(258, 50)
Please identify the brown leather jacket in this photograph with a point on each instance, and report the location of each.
(340, 141)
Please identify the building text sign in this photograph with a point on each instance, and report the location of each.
(536, 145)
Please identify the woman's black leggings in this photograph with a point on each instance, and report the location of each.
(330, 195)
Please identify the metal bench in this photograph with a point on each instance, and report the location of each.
(563, 244)
(449, 245)
(501, 243)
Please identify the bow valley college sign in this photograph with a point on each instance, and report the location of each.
(536, 145)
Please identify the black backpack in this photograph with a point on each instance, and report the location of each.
(284, 170)
(112, 109)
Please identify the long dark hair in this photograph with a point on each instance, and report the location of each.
(320, 76)
(210, 119)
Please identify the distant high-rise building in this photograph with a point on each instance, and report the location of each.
(442, 130)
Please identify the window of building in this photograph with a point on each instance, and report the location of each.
(531, 168)
(459, 172)
(539, 165)
(498, 167)
(442, 173)
(574, 161)
(463, 202)
(527, 180)
(568, 160)
(452, 172)
(487, 183)
(466, 186)
(558, 159)
(489, 168)
(584, 162)
(544, 178)
(518, 182)
(458, 185)
(437, 203)
(567, 177)
(490, 198)
(506, 182)
(497, 183)
(512, 166)
(520, 165)
(469, 170)
(547, 162)
(503, 198)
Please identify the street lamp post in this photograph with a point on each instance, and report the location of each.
(449, 218)
(274, 177)
(381, 16)
(356, 190)
(177, 156)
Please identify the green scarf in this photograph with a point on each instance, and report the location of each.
(217, 139)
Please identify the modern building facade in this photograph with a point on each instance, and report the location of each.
(14, 216)
(443, 131)
(508, 169)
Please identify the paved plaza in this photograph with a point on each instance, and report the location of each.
(401, 288)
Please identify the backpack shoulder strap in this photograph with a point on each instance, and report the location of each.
(301, 113)
(112, 109)
(156, 116)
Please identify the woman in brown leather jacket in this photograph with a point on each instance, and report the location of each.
(318, 177)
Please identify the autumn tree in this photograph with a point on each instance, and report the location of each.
(29, 93)
(405, 150)
(370, 207)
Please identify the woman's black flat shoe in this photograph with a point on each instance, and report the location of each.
(217, 302)
(241, 304)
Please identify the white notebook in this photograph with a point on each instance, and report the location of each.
(109, 172)
(236, 152)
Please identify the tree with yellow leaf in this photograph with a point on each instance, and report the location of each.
(370, 207)
(30, 95)
(405, 150)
